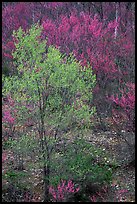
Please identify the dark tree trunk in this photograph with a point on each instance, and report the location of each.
(44, 144)
(46, 180)
(100, 10)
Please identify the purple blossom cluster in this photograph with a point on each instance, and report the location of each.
(64, 189)
(90, 35)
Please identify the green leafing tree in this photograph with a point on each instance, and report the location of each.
(59, 89)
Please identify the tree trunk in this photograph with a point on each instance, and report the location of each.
(116, 28)
(101, 10)
(44, 144)
(46, 179)
(133, 19)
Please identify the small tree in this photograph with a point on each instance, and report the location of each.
(56, 86)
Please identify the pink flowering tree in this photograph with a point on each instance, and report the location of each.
(97, 33)
(63, 191)
(123, 112)
(8, 116)
(94, 42)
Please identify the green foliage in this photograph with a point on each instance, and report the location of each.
(59, 90)
(50, 76)
(6, 70)
(16, 178)
(29, 50)
(80, 162)
(23, 145)
(13, 175)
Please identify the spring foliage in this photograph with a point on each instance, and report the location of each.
(50, 76)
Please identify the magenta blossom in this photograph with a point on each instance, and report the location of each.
(8, 118)
(63, 190)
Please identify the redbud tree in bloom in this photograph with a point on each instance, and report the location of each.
(63, 191)
(90, 37)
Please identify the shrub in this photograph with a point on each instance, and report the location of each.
(63, 191)
(87, 164)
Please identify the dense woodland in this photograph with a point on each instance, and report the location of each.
(68, 73)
